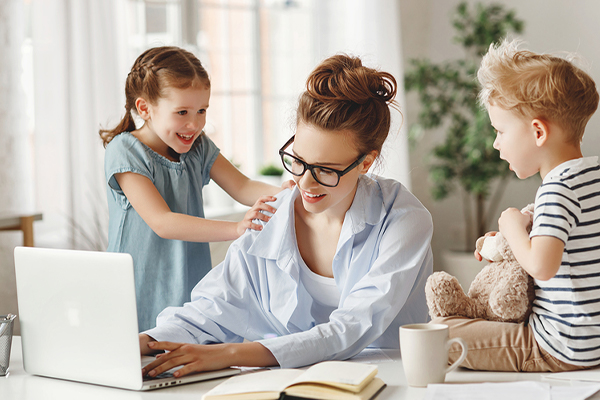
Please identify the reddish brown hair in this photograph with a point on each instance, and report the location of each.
(342, 94)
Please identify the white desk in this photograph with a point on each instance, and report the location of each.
(21, 386)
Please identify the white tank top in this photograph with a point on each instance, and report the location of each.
(323, 290)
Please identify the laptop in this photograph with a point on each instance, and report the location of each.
(79, 319)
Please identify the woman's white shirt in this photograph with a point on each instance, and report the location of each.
(382, 261)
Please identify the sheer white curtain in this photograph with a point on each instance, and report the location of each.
(79, 57)
(371, 30)
(15, 159)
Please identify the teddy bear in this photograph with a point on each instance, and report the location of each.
(501, 291)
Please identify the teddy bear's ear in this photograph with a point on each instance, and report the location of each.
(528, 209)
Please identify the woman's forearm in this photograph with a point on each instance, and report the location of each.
(251, 354)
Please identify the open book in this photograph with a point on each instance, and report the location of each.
(329, 380)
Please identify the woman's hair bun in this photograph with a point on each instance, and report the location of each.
(344, 78)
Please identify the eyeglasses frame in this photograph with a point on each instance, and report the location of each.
(311, 167)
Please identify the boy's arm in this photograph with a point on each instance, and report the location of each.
(241, 188)
(541, 256)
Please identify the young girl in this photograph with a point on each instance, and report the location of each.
(339, 267)
(155, 176)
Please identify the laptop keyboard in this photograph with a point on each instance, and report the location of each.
(167, 374)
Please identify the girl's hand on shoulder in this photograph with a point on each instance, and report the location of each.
(193, 357)
(288, 184)
(255, 212)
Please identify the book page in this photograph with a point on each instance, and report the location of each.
(509, 390)
(273, 381)
(592, 375)
(344, 374)
(318, 391)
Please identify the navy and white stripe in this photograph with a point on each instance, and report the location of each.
(566, 309)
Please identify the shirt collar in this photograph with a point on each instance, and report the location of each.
(368, 206)
(278, 234)
(578, 163)
(277, 239)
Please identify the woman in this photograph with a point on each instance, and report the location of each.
(341, 264)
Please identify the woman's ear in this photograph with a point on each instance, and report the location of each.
(541, 130)
(369, 160)
(142, 108)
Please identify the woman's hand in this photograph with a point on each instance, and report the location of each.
(193, 357)
(255, 213)
(477, 255)
(144, 348)
(198, 357)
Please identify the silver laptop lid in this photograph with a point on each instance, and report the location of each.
(78, 316)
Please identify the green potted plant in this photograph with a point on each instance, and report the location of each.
(271, 173)
(466, 159)
(271, 170)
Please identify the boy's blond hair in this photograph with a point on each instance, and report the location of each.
(538, 86)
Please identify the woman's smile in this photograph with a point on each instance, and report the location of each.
(311, 197)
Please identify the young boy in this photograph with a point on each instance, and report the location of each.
(539, 105)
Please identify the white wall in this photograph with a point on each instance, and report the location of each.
(550, 26)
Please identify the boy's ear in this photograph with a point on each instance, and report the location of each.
(541, 130)
(142, 108)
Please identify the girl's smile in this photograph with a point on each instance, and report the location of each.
(175, 121)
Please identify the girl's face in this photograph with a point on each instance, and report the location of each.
(177, 119)
(515, 140)
(333, 150)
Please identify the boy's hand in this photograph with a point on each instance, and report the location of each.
(511, 221)
(255, 213)
(476, 252)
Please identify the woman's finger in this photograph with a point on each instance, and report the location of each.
(166, 365)
(168, 346)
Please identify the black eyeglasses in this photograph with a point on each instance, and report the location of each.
(324, 175)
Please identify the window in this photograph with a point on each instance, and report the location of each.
(257, 53)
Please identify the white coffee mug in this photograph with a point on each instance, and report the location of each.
(424, 351)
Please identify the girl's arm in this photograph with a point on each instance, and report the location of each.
(541, 256)
(150, 205)
(197, 357)
(243, 189)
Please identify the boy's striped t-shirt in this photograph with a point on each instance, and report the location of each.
(566, 309)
